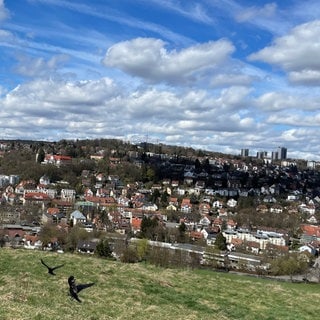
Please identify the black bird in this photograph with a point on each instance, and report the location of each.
(50, 270)
(75, 289)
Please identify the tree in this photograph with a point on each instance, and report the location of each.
(290, 264)
(182, 232)
(103, 249)
(76, 233)
(148, 227)
(221, 242)
(40, 155)
(142, 248)
(47, 232)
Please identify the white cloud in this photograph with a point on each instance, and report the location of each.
(4, 12)
(297, 53)
(5, 35)
(93, 108)
(295, 120)
(147, 58)
(284, 101)
(193, 11)
(306, 77)
(231, 79)
(39, 67)
(267, 11)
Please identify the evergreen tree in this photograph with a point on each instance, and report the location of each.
(103, 249)
(40, 155)
(221, 242)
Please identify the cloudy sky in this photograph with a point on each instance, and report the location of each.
(219, 75)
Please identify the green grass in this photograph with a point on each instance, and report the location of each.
(140, 291)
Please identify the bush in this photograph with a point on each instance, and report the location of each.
(103, 249)
(129, 255)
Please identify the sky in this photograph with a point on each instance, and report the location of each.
(216, 75)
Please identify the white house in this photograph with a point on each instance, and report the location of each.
(77, 217)
(231, 203)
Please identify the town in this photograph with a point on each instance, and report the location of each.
(207, 209)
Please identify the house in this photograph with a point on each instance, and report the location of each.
(232, 203)
(88, 192)
(186, 206)
(148, 206)
(307, 248)
(173, 201)
(205, 221)
(35, 198)
(96, 157)
(200, 184)
(204, 208)
(231, 224)
(309, 233)
(57, 160)
(123, 201)
(87, 246)
(31, 241)
(77, 217)
(24, 185)
(54, 215)
(46, 218)
(262, 208)
(171, 207)
(312, 219)
(68, 195)
(269, 199)
(307, 208)
(175, 183)
(217, 204)
(136, 224)
(44, 180)
(276, 208)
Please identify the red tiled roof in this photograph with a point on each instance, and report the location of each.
(36, 196)
(52, 211)
(311, 230)
(196, 235)
(136, 223)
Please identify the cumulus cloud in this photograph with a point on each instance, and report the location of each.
(39, 67)
(279, 101)
(148, 59)
(102, 107)
(295, 120)
(231, 79)
(4, 12)
(296, 53)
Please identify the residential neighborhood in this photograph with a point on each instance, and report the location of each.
(188, 197)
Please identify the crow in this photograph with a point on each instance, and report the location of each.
(74, 289)
(50, 270)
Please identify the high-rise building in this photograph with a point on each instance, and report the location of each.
(282, 153)
(244, 152)
(279, 154)
(262, 154)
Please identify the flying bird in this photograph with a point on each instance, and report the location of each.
(75, 289)
(51, 269)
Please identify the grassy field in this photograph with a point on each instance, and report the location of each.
(139, 291)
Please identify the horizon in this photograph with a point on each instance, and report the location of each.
(219, 76)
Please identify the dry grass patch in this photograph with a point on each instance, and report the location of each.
(142, 292)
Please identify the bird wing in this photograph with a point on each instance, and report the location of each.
(61, 265)
(74, 293)
(84, 286)
(44, 263)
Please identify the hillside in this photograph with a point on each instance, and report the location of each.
(139, 291)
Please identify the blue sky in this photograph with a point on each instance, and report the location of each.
(218, 75)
